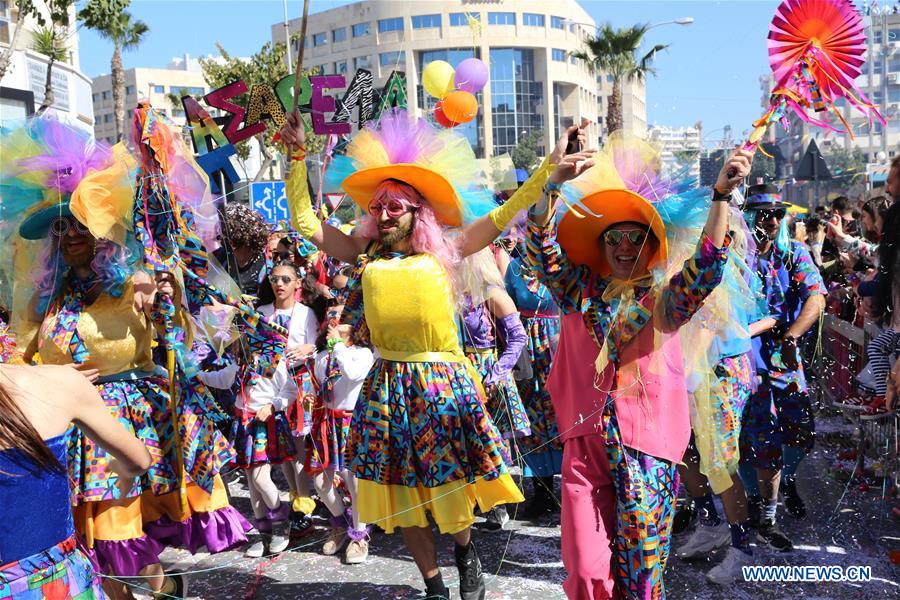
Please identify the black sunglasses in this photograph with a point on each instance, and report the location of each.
(765, 215)
(614, 237)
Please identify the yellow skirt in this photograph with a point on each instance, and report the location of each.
(451, 505)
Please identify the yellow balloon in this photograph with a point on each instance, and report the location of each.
(437, 78)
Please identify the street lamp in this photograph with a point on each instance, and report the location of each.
(678, 21)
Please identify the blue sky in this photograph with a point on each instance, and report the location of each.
(710, 72)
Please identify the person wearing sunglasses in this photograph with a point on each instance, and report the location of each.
(624, 416)
(777, 427)
(94, 311)
(423, 404)
(263, 435)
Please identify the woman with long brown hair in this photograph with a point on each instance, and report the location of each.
(38, 554)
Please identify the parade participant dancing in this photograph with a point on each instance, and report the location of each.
(421, 439)
(95, 313)
(778, 428)
(625, 418)
(484, 297)
(295, 386)
(719, 335)
(341, 368)
(542, 451)
(40, 556)
(262, 434)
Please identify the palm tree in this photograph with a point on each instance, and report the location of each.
(615, 52)
(51, 42)
(125, 34)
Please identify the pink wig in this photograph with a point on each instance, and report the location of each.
(428, 235)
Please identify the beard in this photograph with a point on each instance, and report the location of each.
(403, 231)
(82, 259)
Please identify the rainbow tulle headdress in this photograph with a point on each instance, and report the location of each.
(50, 169)
(440, 165)
(626, 183)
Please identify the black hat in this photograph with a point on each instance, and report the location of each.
(763, 196)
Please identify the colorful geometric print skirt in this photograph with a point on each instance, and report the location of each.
(330, 437)
(504, 403)
(143, 407)
(542, 450)
(61, 571)
(421, 440)
(260, 443)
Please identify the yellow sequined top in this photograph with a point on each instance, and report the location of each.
(409, 309)
(118, 338)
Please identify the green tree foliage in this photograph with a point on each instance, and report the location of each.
(112, 22)
(614, 51)
(848, 164)
(525, 154)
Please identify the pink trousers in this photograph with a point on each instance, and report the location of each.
(588, 519)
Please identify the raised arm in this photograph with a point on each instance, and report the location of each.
(325, 237)
(703, 272)
(485, 230)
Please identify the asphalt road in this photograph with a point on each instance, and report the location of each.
(845, 526)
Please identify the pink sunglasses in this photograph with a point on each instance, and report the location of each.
(395, 207)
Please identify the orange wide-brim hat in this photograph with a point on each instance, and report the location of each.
(580, 236)
(434, 188)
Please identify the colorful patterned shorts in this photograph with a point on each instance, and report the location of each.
(716, 436)
(504, 404)
(423, 424)
(262, 443)
(62, 572)
(776, 417)
(330, 436)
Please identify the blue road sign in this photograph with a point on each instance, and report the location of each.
(268, 199)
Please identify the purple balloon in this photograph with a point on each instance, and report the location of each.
(471, 75)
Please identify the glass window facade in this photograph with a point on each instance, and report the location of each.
(340, 67)
(320, 39)
(501, 18)
(389, 59)
(339, 35)
(361, 29)
(157, 89)
(557, 23)
(362, 62)
(460, 20)
(129, 90)
(395, 24)
(532, 19)
(474, 129)
(426, 21)
(559, 55)
(517, 100)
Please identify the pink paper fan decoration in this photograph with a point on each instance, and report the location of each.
(816, 50)
(831, 29)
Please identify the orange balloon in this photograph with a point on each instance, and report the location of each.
(459, 106)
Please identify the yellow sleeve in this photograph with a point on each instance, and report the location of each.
(525, 196)
(303, 218)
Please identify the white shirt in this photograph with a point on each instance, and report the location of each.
(355, 363)
(279, 390)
